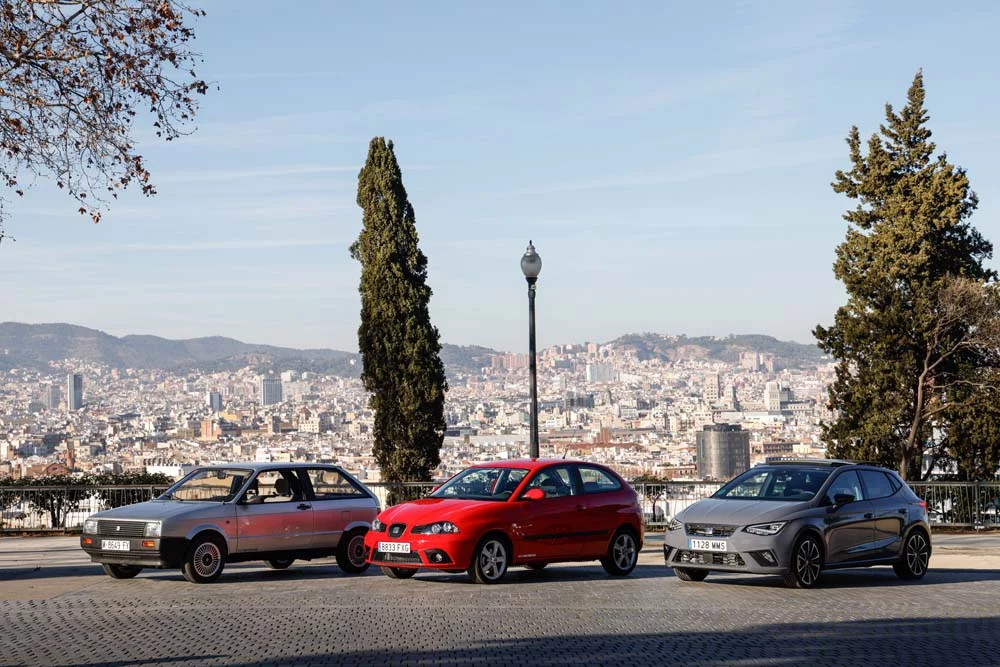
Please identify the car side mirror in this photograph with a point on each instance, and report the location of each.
(533, 494)
(841, 499)
(436, 487)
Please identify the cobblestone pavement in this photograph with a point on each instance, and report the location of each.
(67, 613)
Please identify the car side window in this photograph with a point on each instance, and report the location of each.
(596, 480)
(877, 484)
(556, 482)
(331, 484)
(275, 486)
(846, 483)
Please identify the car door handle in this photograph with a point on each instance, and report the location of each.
(869, 515)
(303, 506)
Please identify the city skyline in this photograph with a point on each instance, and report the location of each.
(672, 167)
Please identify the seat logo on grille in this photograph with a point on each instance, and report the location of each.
(118, 527)
(709, 530)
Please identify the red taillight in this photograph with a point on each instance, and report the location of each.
(923, 503)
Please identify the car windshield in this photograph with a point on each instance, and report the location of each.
(482, 484)
(790, 484)
(219, 485)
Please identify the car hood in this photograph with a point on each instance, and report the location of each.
(739, 512)
(152, 510)
(435, 509)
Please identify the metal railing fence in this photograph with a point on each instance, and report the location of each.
(64, 508)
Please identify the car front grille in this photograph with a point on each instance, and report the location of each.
(383, 557)
(709, 558)
(121, 528)
(709, 529)
(396, 529)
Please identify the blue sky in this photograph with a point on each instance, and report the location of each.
(671, 163)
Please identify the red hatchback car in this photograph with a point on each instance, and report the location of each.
(495, 515)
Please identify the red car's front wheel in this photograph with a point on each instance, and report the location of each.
(490, 560)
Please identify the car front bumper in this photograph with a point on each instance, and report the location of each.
(167, 552)
(756, 554)
(438, 552)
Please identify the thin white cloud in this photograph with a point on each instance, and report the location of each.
(246, 174)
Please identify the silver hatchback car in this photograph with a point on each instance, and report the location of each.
(798, 518)
(274, 512)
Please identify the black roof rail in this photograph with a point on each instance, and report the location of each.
(797, 460)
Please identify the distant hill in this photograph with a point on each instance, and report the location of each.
(676, 348)
(35, 345)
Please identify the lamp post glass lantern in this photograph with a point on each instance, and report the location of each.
(531, 266)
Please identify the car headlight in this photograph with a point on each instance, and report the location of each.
(153, 529)
(765, 528)
(90, 526)
(675, 524)
(378, 526)
(436, 528)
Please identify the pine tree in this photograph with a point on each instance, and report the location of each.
(400, 349)
(913, 268)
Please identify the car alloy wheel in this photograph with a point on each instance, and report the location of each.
(807, 563)
(205, 559)
(351, 552)
(490, 561)
(622, 554)
(916, 557)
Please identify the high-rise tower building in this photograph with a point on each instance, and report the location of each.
(270, 390)
(54, 397)
(215, 400)
(74, 392)
(723, 451)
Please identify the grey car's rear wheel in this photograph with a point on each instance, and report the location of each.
(806, 563)
(280, 563)
(690, 574)
(351, 552)
(623, 554)
(915, 558)
(204, 560)
(121, 571)
(399, 572)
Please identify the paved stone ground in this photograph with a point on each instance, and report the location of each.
(57, 609)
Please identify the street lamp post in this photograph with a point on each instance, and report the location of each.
(531, 266)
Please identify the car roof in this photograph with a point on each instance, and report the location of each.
(265, 465)
(531, 464)
(818, 463)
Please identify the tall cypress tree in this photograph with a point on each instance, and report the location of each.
(399, 346)
(900, 356)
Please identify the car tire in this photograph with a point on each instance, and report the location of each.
(399, 572)
(490, 560)
(623, 553)
(690, 574)
(915, 558)
(205, 560)
(280, 563)
(121, 571)
(537, 567)
(351, 552)
(806, 563)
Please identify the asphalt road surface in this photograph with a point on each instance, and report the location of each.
(57, 609)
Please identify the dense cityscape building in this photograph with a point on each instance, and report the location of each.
(645, 417)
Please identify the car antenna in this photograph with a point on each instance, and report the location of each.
(566, 451)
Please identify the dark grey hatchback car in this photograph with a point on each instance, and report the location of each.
(797, 518)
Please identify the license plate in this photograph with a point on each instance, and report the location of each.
(394, 547)
(114, 545)
(707, 545)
